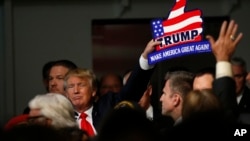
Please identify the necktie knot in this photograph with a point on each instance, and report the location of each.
(83, 115)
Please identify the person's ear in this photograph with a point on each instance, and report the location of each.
(176, 99)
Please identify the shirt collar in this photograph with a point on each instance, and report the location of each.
(149, 112)
(88, 112)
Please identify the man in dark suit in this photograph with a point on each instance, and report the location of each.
(153, 112)
(81, 88)
(242, 91)
(223, 86)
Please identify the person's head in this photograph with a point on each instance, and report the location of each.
(204, 78)
(110, 82)
(177, 85)
(45, 74)
(145, 100)
(202, 112)
(200, 103)
(239, 73)
(51, 109)
(127, 121)
(81, 87)
(57, 73)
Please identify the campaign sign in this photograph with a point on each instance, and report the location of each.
(180, 34)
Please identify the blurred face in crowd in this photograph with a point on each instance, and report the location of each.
(203, 82)
(110, 83)
(56, 79)
(239, 77)
(80, 92)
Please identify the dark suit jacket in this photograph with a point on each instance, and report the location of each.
(133, 90)
(211, 125)
(244, 105)
(224, 88)
(237, 116)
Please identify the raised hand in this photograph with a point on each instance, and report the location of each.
(224, 47)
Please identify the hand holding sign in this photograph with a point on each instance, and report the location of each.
(150, 48)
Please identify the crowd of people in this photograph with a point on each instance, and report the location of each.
(211, 103)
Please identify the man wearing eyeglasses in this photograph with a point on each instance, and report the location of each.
(243, 92)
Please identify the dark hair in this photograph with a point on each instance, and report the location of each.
(178, 68)
(45, 73)
(180, 81)
(206, 70)
(238, 61)
(47, 67)
(66, 63)
(126, 123)
(119, 77)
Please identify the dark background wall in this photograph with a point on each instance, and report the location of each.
(34, 32)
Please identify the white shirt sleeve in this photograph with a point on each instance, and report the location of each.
(223, 68)
(144, 63)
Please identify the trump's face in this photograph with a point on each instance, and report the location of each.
(80, 92)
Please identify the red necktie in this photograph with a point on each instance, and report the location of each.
(85, 125)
